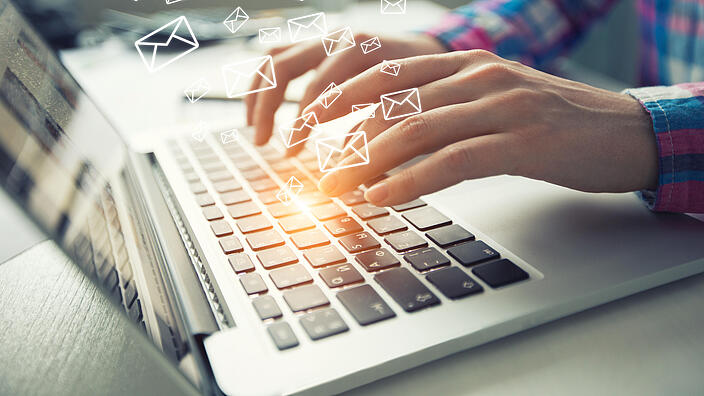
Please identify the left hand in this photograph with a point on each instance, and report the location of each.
(484, 116)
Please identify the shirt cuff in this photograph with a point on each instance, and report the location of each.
(677, 113)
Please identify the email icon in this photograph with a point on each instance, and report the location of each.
(291, 190)
(179, 35)
(393, 7)
(293, 135)
(390, 68)
(270, 35)
(238, 76)
(330, 95)
(307, 27)
(359, 107)
(197, 90)
(400, 104)
(172, 1)
(338, 41)
(235, 20)
(231, 136)
(199, 134)
(330, 155)
(370, 45)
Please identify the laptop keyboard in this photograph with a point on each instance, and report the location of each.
(410, 260)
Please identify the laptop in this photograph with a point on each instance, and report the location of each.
(248, 295)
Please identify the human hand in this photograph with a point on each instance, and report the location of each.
(485, 116)
(294, 60)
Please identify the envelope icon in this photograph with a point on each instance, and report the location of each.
(172, 1)
(179, 34)
(292, 188)
(330, 155)
(199, 134)
(230, 136)
(197, 90)
(390, 68)
(307, 27)
(293, 135)
(238, 76)
(400, 104)
(359, 107)
(370, 45)
(235, 20)
(338, 41)
(270, 35)
(393, 6)
(330, 95)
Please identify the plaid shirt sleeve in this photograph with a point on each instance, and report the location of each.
(534, 32)
(678, 121)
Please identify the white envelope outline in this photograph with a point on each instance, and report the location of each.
(179, 27)
(230, 136)
(370, 45)
(393, 7)
(330, 95)
(172, 1)
(338, 41)
(363, 106)
(327, 149)
(270, 35)
(236, 20)
(292, 188)
(310, 120)
(199, 133)
(390, 68)
(307, 27)
(197, 90)
(389, 103)
(238, 75)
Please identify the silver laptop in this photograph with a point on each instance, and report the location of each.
(251, 296)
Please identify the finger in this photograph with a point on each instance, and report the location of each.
(288, 65)
(249, 100)
(416, 135)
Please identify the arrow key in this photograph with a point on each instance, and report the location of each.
(453, 282)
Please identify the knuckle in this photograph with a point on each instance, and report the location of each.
(522, 97)
(363, 36)
(476, 54)
(408, 180)
(413, 129)
(457, 157)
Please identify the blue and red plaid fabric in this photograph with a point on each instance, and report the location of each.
(536, 32)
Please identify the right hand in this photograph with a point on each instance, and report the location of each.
(294, 60)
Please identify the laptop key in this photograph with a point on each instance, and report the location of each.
(264, 240)
(240, 262)
(359, 242)
(220, 175)
(279, 210)
(327, 212)
(212, 213)
(243, 209)
(377, 260)
(282, 166)
(387, 225)
(226, 185)
(449, 235)
(324, 256)
(425, 259)
(220, 228)
(406, 289)
(416, 203)
(254, 174)
(282, 335)
(354, 197)
(253, 224)
(277, 257)
(204, 199)
(253, 283)
(453, 282)
(266, 307)
(342, 226)
(340, 275)
(296, 223)
(499, 273)
(230, 244)
(313, 199)
(234, 197)
(365, 305)
(292, 275)
(405, 241)
(368, 211)
(268, 197)
(305, 297)
(323, 323)
(245, 165)
(263, 185)
(426, 218)
(308, 239)
(198, 187)
(471, 253)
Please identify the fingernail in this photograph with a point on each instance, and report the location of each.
(328, 183)
(377, 193)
